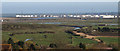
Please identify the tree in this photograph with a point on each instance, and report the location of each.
(69, 31)
(15, 47)
(82, 46)
(99, 28)
(20, 43)
(101, 41)
(32, 47)
(11, 34)
(45, 36)
(105, 29)
(10, 41)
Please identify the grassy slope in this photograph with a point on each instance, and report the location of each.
(109, 40)
(59, 37)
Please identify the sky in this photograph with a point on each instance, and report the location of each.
(59, 7)
(60, 0)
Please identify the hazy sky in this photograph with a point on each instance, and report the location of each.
(60, 0)
(59, 7)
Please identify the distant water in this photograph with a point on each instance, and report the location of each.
(98, 23)
(112, 24)
(8, 15)
(44, 18)
(51, 23)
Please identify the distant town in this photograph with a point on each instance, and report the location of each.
(67, 15)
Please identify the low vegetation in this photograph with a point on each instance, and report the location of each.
(43, 36)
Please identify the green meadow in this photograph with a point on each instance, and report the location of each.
(23, 31)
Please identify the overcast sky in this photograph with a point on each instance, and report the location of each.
(60, 0)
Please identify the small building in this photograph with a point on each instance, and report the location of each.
(27, 40)
(77, 28)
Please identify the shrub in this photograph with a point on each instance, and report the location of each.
(53, 45)
(32, 47)
(10, 41)
(20, 43)
(82, 46)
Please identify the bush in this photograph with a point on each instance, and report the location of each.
(82, 46)
(20, 43)
(53, 45)
(106, 29)
(32, 47)
(45, 36)
(10, 41)
(15, 47)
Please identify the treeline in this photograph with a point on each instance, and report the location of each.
(107, 29)
(11, 34)
(7, 27)
(89, 30)
(22, 45)
(99, 31)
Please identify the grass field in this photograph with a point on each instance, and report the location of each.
(76, 41)
(109, 40)
(60, 37)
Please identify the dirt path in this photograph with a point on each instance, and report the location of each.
(89, 37)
